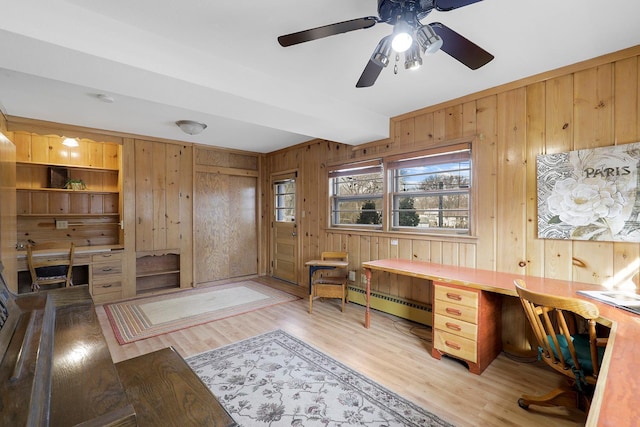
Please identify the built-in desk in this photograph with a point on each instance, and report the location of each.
(617, 396)
(102, 265)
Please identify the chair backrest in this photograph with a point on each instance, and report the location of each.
(343, 256)
(574, 355)
(337, 272)
(46, 270)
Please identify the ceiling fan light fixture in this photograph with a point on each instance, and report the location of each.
(428, 39)
(191, 127)
(402, 38)
(383, 52)
(412, 60)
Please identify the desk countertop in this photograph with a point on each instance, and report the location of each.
(22, 254)
(616, 401)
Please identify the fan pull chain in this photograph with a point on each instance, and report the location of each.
(395, 66)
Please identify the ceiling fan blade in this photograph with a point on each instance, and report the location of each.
(447, 5)
(460, 48)
(370, 74)
(327, 30)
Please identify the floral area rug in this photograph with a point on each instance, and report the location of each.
(275, 379)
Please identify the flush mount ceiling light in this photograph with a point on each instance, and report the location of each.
(69, 142)
(106, 98)
(191, 127)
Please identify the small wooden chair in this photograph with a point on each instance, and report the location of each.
(578, 356)
(333, 285)
(53, 269)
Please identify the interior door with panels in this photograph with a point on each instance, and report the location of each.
(284, 228)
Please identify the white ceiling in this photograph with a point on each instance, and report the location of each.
(219, 62)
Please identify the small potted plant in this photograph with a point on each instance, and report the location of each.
(75, 184)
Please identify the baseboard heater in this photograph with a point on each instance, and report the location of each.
(411, 310)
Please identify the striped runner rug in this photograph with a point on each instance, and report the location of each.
(141, 318)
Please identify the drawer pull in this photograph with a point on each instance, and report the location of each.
(453, 326)
(456, 297)
(106, 286)
(453, 311)
(453, 345)
(107, 269)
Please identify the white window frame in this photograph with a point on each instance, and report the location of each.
(337, 175)
(461, 154)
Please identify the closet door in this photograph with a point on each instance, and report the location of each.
(225, 226)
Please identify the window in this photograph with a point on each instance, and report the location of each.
(285, 200)
(431, 192)
(356, 192)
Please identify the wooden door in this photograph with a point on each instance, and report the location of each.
(8, 228)
(284, 229)
(225, 227)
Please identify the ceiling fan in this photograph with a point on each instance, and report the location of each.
(408, 36)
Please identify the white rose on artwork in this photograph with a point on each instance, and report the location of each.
(592, 205)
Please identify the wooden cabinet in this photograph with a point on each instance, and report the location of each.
(47, 211)
(466, 325)
(159, 176)
(106, 276)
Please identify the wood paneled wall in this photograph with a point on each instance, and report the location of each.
(8, 222)
(586, 105)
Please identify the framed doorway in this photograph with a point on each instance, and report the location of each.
(284, 227)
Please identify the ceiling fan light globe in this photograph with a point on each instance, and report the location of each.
(428, 39)
(401, 42)
(383, 52)
(413, 64)
(413, 61)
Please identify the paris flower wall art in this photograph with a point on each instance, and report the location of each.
(590, 194)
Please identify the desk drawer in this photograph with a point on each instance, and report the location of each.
(106, 256)
(459, 296)
(106, 270)
(106, 288)
(454, 345)
(455, 327)
(456, 311)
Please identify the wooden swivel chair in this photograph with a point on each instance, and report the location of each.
(53, 269)
(332, 284)
(578, 356)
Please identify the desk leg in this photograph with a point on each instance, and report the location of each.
(367, 314)
(312, 270)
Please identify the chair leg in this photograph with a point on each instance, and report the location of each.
(310, 303)
(562, 396)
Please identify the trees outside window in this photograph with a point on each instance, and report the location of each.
(369, 214)
(407, 215)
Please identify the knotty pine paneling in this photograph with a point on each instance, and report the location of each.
(592, 104)
(627, 130)
(8, 221)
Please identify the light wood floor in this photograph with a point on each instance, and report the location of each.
(394, 352)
